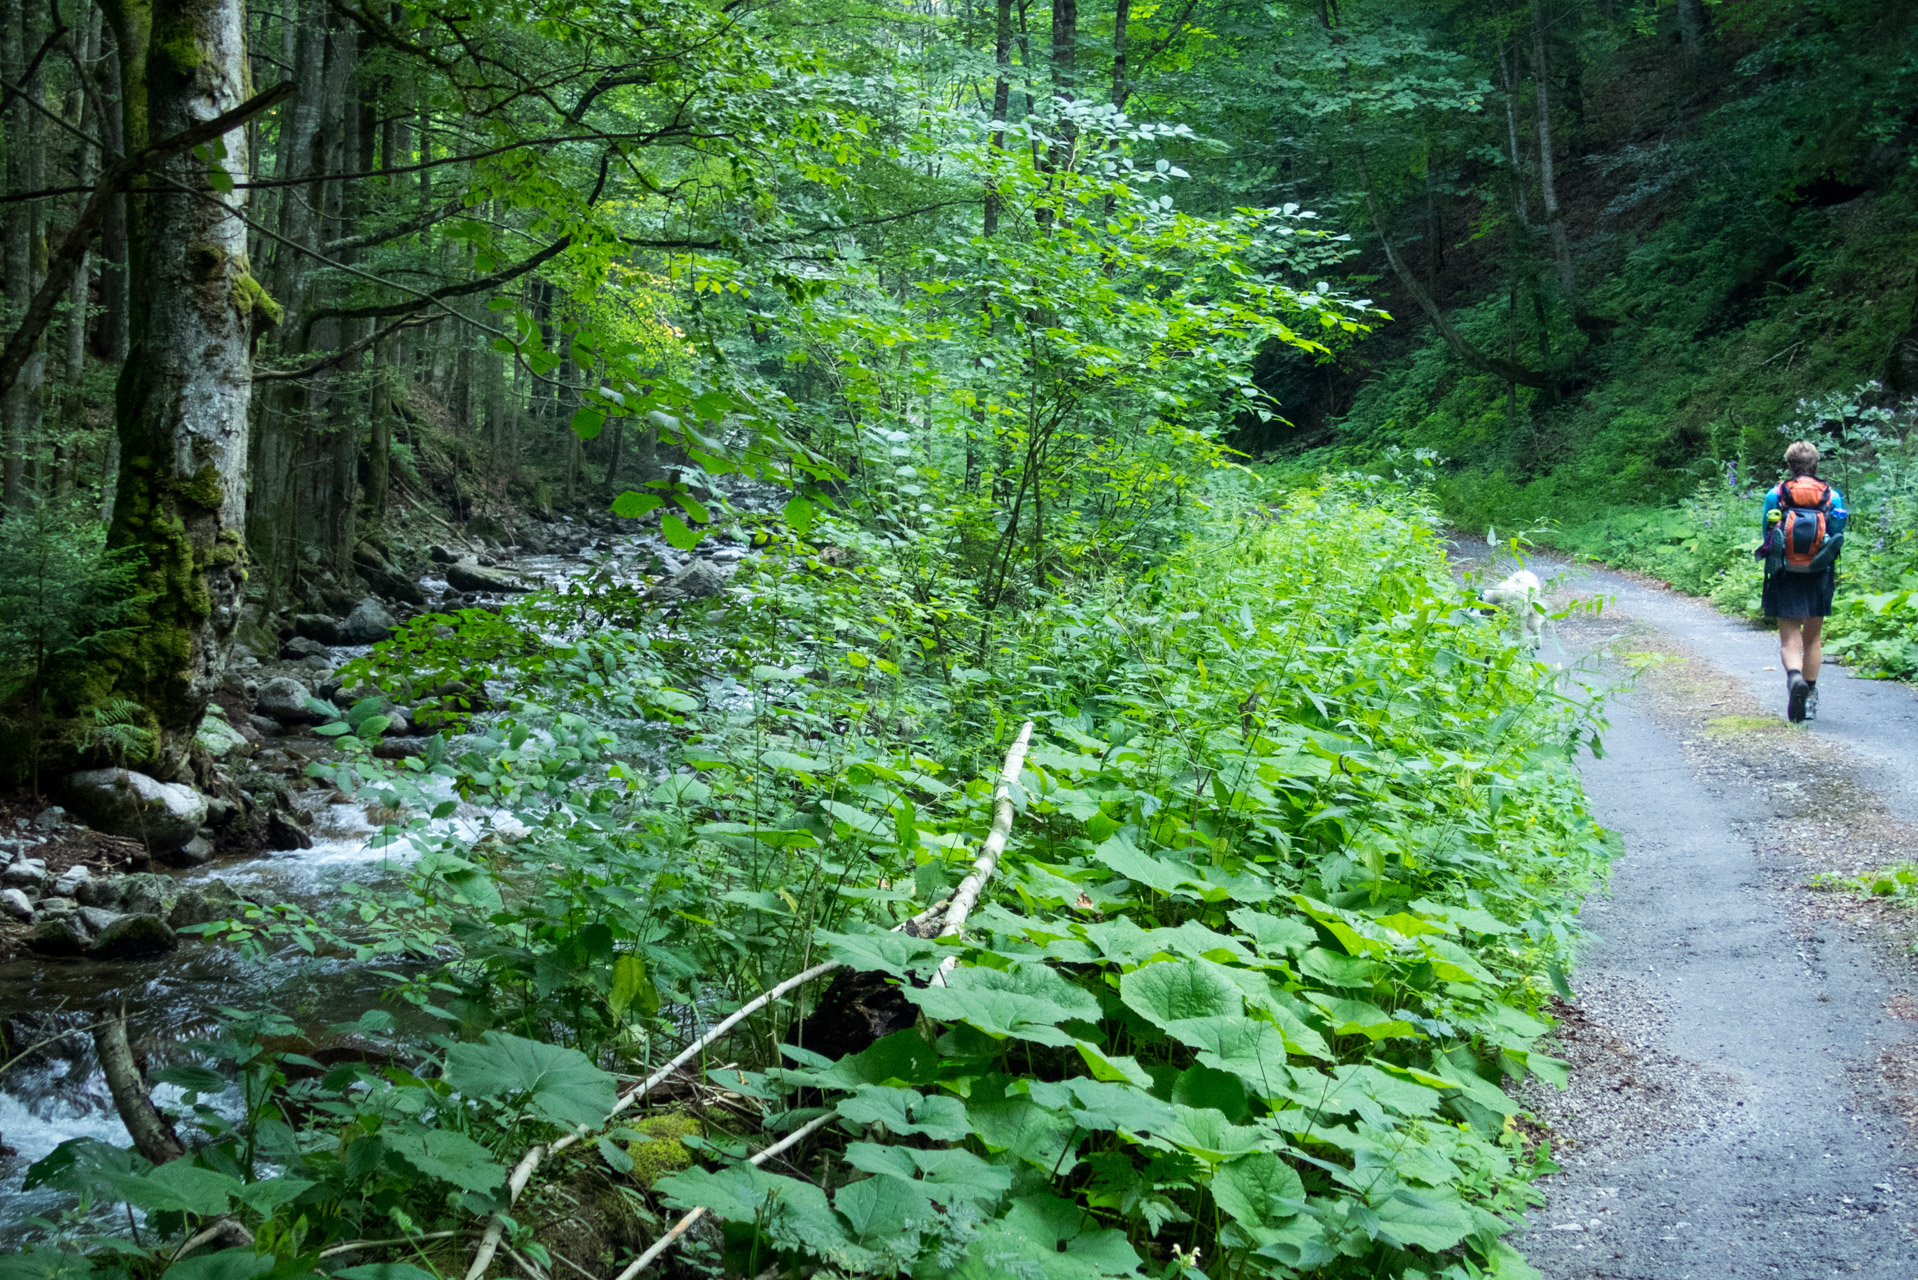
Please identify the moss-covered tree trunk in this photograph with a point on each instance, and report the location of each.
(184, 392)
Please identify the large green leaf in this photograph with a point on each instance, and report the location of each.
(446, 1155)
(1026, 1002)
(1258, 1189)
(1174, 991)
(1095, 1104)
(1015, 1123)
(947, 1174)
(178, 1186)
(1432, 1220)
(561, 1083)
(226, 1264)
(906, 1111)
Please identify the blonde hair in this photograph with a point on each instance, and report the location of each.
(1801, 456)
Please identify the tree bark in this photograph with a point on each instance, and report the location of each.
(1001, 103)
(1694, 31)
(152, 1136)
(21, 236)
(1547, 182)
(185, 389)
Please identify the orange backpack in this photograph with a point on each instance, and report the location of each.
(1805, 544)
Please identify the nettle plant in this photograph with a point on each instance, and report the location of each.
(1296, 863)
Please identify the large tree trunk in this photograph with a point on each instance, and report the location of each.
(185, 389)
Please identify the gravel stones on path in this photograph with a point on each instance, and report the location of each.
(1731, 1110)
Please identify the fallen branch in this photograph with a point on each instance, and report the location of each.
(966, 896)
(954, 919)
(680, 1228)
(152, 1136)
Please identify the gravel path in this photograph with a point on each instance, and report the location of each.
(1744, 1054)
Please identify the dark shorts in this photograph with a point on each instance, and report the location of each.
(1799, 595)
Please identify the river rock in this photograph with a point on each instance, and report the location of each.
(697, 581)
(121, 802)
(284, 699)
(205, 903)
(50, 819)
(15, 905)
(96, 919)
(145, 893)
(29, 874)
(60, 936)
(300, 648)
(130, 937)
(470, 577)
(442, 555)
(218, 738)
(68, 885)
(369, 623)
(283, 833)
(399, 748)
(99, 891)
(265, 726)
(194, 853)
(318, 627)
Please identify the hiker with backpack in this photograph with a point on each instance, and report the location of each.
(1804, 524)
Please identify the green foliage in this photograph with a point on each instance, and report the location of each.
(62, 595)
(1297, 854)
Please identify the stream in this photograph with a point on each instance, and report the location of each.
(56, 1091)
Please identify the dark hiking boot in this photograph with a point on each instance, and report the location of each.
(1800, 689)
(1811, 700)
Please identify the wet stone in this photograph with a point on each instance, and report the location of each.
(145, 893)
(121, 802)
(15, 905)
(132, 936)
(205, 903)
(284, 699)
(25, 873)
(68, 885)
(96, 919)
(60, 936)
(99, 891)
(194, 853)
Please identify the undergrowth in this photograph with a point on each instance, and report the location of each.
(1296, 867)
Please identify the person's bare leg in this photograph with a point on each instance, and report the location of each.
(1791, 643)
(1813, 647)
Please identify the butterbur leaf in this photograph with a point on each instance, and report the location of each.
(264, 1197)
(177, 1186)
(46, 1264)
(1113, 1068)
(903, 1111)
(447, 1155)
(1421, 1219)
(1174, 991)
(383, 1271)
(1156, 873)
(1258, 1188)
(227, 1264)
(944, 1174)
(1026, 1002)
(1274, 935)
(562, 1084)
(882, 951)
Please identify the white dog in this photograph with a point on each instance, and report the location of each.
(1523, 596)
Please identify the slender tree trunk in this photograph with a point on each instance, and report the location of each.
(1694, 31)
(1516, 157)
(185, 388)
(1001, 101)
(20, 242)
(1547, 183)
(115, 290)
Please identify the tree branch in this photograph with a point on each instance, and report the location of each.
(66, 259)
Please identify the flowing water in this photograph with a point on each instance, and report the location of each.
(56, 1092)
